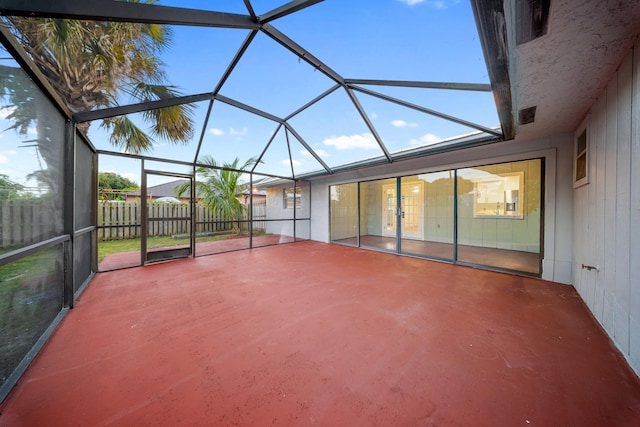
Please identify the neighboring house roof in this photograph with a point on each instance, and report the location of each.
(168, 189)
(246, 192)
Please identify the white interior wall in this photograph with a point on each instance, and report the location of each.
(557, 152)
(607, 211)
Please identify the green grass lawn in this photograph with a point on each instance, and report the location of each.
(130, 245)
(30, 297)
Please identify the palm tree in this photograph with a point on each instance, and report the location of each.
(92, 64)
(219, 186)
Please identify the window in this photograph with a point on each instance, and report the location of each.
(581, 158)
(289, 196)
(498, 195)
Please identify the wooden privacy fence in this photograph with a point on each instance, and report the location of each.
(23, 222)
(121, 220)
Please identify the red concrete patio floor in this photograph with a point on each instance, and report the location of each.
(316, 334)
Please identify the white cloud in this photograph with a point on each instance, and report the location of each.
(427, 139)
(374, 115)
(436, 4)
(411, 2)
(32, 131)
(130, 175)
(295, 162)
(402, 123)
(241, 132)
(365, 141)
(319, 152)
(3, 159)
(216, 131)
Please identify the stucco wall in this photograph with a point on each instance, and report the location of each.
(276, 210)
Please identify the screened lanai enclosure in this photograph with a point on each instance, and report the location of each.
(222, 115)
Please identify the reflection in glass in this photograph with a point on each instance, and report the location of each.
(344, 213)
(378, 205)
(31, 153)
(31, 292)
(426, 214)
(499, 213)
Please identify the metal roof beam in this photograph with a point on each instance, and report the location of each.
(286, 9)
(21, 56)
(478, 87)
(313, 101)
(87, 116)
(429, 111)
(302, 53)
(245, 45)
(307, 147)
(248, 108)
(266, 147)
(247, 4)
(366, 119)
(490, 21)
(119, 11)
(204, 130)
(293, 172)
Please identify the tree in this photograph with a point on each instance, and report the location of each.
(91, 64)
(111, 186)
(219, 188)
(113, 181)
(9, 189)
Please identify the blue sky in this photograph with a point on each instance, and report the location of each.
(365, 39)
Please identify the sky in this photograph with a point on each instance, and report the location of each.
(423, 40)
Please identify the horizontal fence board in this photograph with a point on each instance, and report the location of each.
(124, 219)
(23, 222)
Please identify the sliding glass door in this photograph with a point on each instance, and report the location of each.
(378, 214)
(487, 215)
(499, 215)
(426, 212)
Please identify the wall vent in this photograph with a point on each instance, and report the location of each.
(527, 115)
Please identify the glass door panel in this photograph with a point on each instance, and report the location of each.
(378, 214)
(389, 209)
(344, 213)
(426, 206)
(499, 215)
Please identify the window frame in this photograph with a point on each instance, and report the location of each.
(579, 153)
(288, 197)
